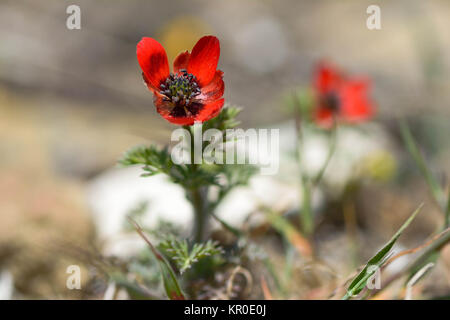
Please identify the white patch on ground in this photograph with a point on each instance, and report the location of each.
(114, 193)
(6, 285)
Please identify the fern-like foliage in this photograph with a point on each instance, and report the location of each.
(158, 160)
(154, 160)
(185, 256)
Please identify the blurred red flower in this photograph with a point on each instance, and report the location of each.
(193, 92)
(340, 98)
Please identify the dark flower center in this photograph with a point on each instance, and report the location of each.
(331, 101)
(181, 89)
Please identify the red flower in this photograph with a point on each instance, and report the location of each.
(340, 98)
(193, 92)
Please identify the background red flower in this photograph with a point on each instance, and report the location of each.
(340, 98)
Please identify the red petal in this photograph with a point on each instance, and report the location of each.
(165, 107)
(327, 78)
(182, 121)
(204, 59)
(210, 110)
(181, 61)
(355, 103)
(148, 84)
(214, 90)
(153, 61)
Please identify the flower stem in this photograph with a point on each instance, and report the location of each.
(310, 184)
(201, 217)
(307, 217)
(331, 149)
(198, 196)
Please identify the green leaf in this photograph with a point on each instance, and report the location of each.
(359, 282)
(183, 257)
(171, 285)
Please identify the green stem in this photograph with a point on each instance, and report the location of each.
(198, 196)
(201, 214)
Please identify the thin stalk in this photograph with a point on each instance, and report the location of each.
(308, 184)
(275, 276)
(305, 213)
(307, 217)
(289, 262)
(331, 150)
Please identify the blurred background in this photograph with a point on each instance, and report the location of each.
(72, 101)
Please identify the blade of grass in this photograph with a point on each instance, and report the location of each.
(415, 279)
(265, 289)
(430, 255)
(291, 234)
(413, 149)
(426, 244)
(358, 284)
(227, 226)
(447, 212)
(271, 269)
(173, 289)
